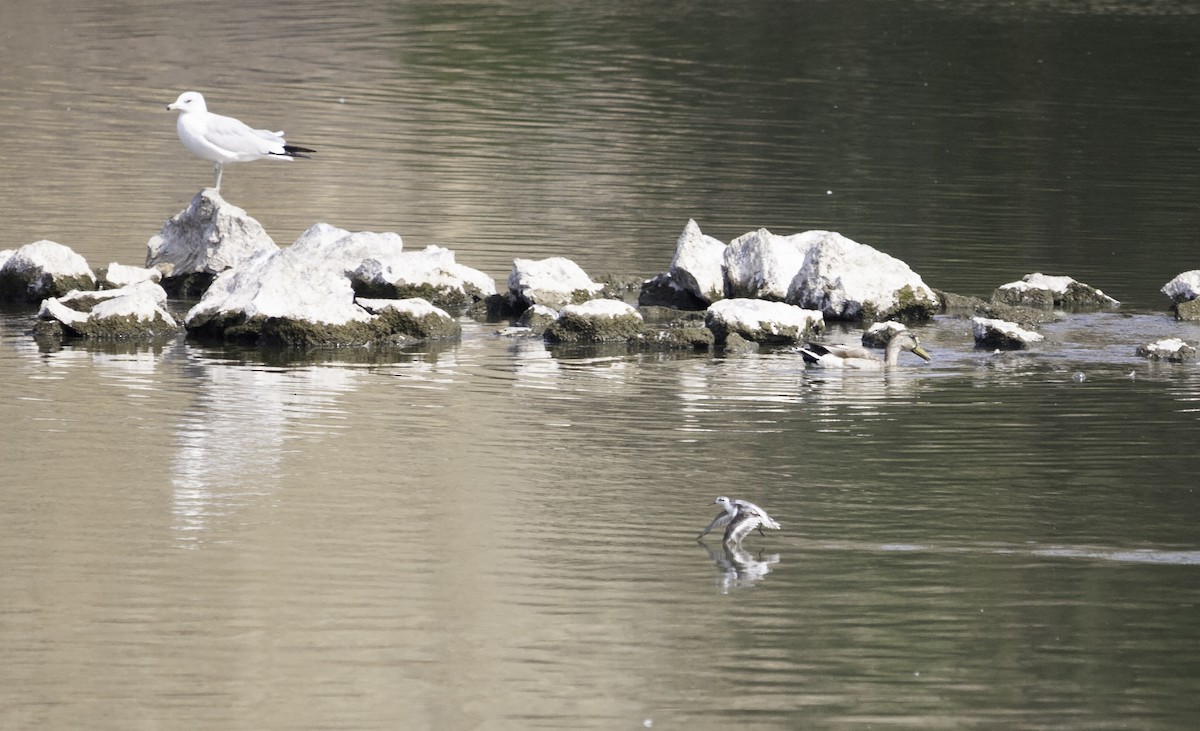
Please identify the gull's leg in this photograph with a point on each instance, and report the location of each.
(217, 167)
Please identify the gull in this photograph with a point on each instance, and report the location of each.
(852, 356)
(225, 139)
(740, 517)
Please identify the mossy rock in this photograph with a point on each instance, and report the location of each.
(909, 308)
(573, 328)
(692, 337)
(1187, 310)
(445, 297)
(36, 285)
(430, 326)
(121, 327)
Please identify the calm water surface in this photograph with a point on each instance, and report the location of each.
(493, 534)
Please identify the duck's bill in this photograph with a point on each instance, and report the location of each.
(920, 352)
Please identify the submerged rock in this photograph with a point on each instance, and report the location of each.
(43, 269)
(1173, 350)
(1046, 292)
(136, 311)
(699, 265)
(761, 265)
(1184, 292)
(761, 321)
(553, 282)
(208, 237)
(847, 280)
(596, 321)
(1002, 335)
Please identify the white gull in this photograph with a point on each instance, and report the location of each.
(225, 139)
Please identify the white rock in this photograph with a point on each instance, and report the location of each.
(433, 266)
(120, 275)
(43, 269)
(1169, 349)
(761, 320)
(344, 251)
(142, 304)
(842, 278)
(208, 237)
(1183, 287)
(415, 306)
(699, 264)
(5, 256)
(282, 284)
(1058, 287)
(1002, 333)
(552, 282)
(145, 288)
(760, 264)
(600, 308)
(53, 309)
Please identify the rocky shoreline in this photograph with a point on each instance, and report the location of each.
(333, 288)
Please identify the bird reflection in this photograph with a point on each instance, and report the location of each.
(738, 569)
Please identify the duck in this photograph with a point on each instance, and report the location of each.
(858, 357)
(739, 517)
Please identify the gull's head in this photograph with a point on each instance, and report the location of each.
(188, 101)
(722, 501)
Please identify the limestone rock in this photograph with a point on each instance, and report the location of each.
(130, 312)
(596, 321)
(553, 282)
(208, 237)
(699, 264)
(1173, 350)
(115, 275)
(43, 269)
(285, 298)
(663, 291)
(761, 265)
(762, 321)
(1046, 292)
(431, 273)
(413, 318)
(847, 280)
(1184, 291)
(1002, 335)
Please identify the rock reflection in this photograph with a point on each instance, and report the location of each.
(232, 443)
(737, 568)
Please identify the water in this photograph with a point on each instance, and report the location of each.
(491, 534)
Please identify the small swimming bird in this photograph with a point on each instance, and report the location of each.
(739, 518)
(852, 356)
(225, 139)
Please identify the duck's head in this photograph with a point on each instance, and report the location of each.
(909, 342)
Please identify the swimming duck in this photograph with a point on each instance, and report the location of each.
(852, 356)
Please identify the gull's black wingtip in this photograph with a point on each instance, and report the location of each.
(296, 150)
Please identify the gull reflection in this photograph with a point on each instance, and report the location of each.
(737, 568)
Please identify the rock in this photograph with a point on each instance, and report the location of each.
(680, 337)
(1041, 291)
(115, 275)
(537, 319)
(413, 318)
(43, 269)
(880, 333)
(553, 282)
(344, 251)
(762, 321)
(847, 280)
(1173, 350)
(1184, 291)
(663, 291)
(430, 274)
(699, 265)
(135, 311)
(958, 305)
(1002, 335)
(761, 265)
(208, 237)
(596, 321)
(283, 298)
